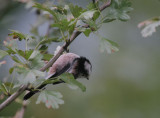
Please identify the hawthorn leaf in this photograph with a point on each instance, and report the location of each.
(119, 9)
(45, 8)
(149, 26)
(51, 99)
(35, 60)
(16, 59)
(69, 79)
(88, 15)
(75, 10)
(17, 34)
(108, 45)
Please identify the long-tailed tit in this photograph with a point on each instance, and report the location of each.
(72, 63)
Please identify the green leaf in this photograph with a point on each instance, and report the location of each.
(17, 34)
(47, 57)
(10, 51)
(11, 70)
(3, 54)
(75, 10)
(91, 5)
(43, 48)
(88, 15)
(107, 20)
(87, 32)
(19, 68)
(29, 76)
(35, 60)
(50, 98)
(9, 84)
(26, 77)
(119, 9)
(69, 79)
(63, 24)
(25, 54)
(45, 8)
(3, 88)
(49, 40)
(15, 58)
(34, 54)
(108, 45)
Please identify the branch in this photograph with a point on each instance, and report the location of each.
(105, 5)
(54, 58)
(13, 97)
(20, 113)
(74, 35)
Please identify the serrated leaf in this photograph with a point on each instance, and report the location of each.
(49, 40)
(45, 8)
(69, 79)
(3, 54)
(43, 48)
(63, 24)
(75, 10)
(149, 26)
(10, 51)
(27, 77)
(119, 9)
(35, 60)
(17, 34)
(91, 6)
(87, 32)
(108, 45)
(50, 98)
(88, 14)
(15, 58)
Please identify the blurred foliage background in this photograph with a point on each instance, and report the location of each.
(122, 85)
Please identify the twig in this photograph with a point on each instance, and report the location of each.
(13, 96)
(20, 113)
(54, 58)
(105, 5)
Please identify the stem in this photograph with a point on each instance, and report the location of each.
(26, 44)
(12, 81)
(20, 113)
(63, 35)
(13, 97)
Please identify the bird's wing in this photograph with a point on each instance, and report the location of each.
(57, 73)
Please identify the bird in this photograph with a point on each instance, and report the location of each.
(78, 66)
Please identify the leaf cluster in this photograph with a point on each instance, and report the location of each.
(62, 22)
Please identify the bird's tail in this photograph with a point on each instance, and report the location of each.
(31, 93)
